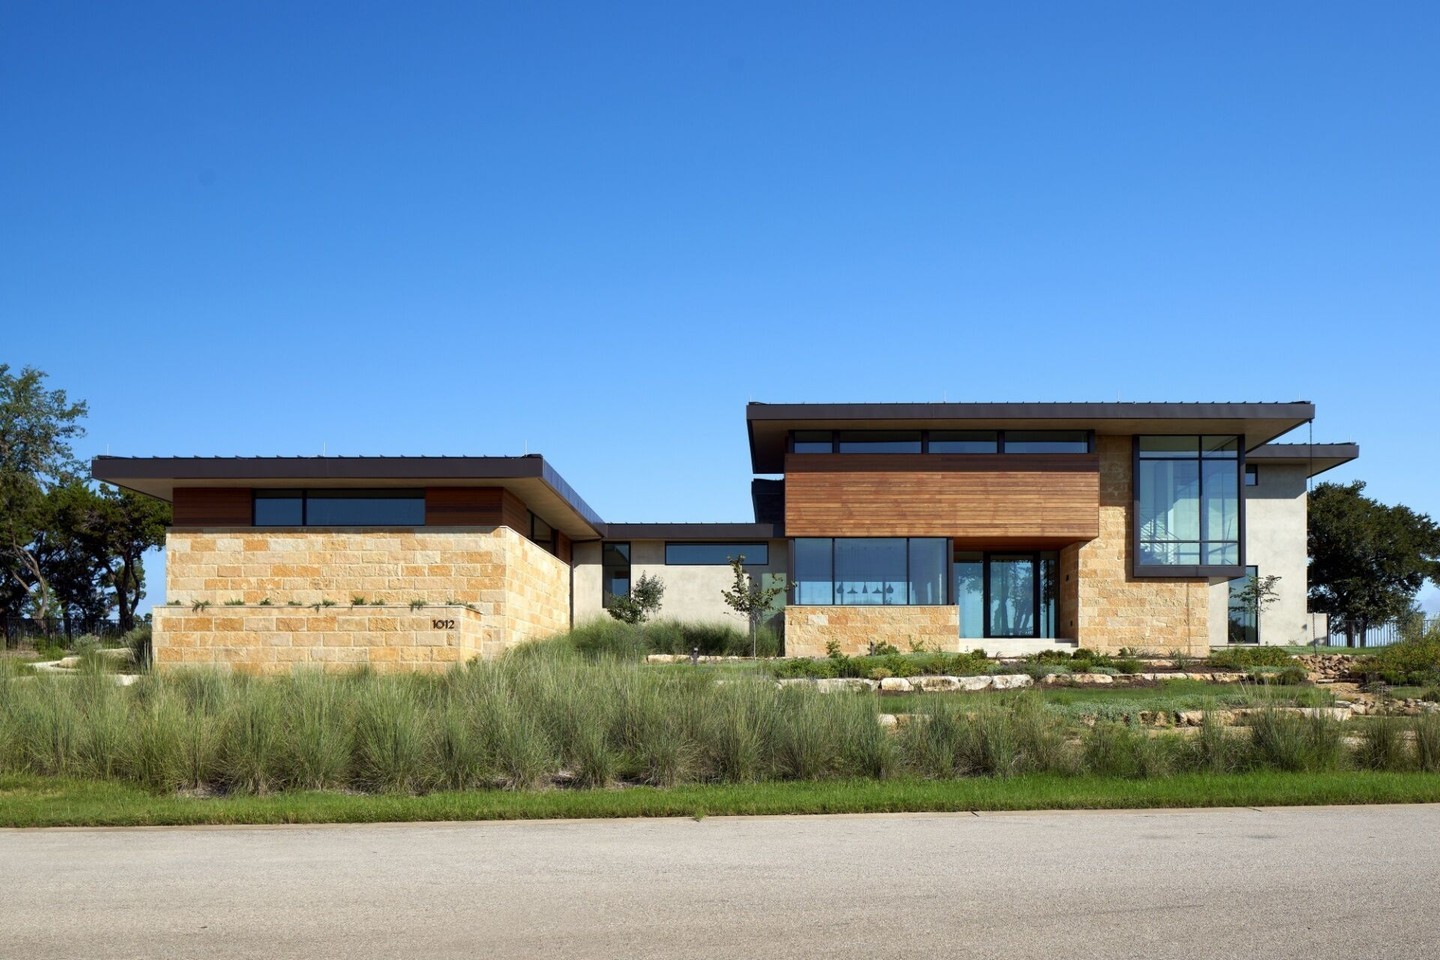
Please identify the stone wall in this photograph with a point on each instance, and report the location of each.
(1115, 610)
(279, 640)
(808, 629)
(514, 589)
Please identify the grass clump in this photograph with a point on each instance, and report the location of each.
(1244, 658)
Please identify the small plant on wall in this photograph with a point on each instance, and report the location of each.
(641, 603)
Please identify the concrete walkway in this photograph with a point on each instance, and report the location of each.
(1311, 883)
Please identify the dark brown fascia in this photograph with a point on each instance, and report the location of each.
(768, 424)
(158, 476)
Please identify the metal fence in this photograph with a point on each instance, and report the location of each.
(1384, 634)
(28, 631)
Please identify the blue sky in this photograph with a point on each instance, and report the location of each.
(596, 231)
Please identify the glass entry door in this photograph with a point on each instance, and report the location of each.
(1011, 607)
(1006, 594)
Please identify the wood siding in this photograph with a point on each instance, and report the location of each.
(993, 499)
(514, 514)
(212, 507)
(464, 507)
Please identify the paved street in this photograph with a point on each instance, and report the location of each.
(1306, 883)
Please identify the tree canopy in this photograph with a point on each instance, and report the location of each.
(1367, 559)
(67, 549)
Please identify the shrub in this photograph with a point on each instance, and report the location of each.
(1408, 663)
(1116, 750)
(250, 739)
(1289, 676)
(390, 734)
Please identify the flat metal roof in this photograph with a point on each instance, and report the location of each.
(529, 477)
(769, 424)
(1318, 457)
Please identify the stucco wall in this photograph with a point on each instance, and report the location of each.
(1275, 520)
(516, 591)
(691, 592)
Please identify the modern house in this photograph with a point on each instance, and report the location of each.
(1004, 526)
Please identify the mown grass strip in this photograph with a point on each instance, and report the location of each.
(31, 801)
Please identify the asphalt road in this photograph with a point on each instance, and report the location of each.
(1312, 883)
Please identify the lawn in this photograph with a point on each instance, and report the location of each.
(31, 801)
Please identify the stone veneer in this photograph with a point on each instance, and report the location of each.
(516, 591)
(278, 640)
(808, 629)
(1112, 609)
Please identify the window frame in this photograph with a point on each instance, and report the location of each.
(305, 494)
(1140, 570)
(837, 437)
(607, 596)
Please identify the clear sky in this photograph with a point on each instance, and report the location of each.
(595, 231)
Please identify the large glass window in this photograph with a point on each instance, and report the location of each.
(339, 508)
(1244, 624)
(1188, 493)
(716, 554)
(815, 571)
(857, 571)
(614, 572)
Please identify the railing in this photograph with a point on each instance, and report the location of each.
(26, 631)
(1384, 634)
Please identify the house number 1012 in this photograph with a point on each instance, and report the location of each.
(442, 624)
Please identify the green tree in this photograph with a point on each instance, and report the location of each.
(72, 555)
(125, 526)
(36, 428)
(751, 600)
(1367, 559)
(641, 603)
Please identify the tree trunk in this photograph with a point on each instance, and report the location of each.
(125, 610)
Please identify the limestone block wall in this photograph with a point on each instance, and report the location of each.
(536, 599)
(1115, 610)
(514, 589)
(808, 629)
(279, 640)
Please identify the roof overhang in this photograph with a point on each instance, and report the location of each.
(530, 478)
(769, 424)
(1315, 457)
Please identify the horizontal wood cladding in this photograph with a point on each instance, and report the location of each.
(562, 546)
(463, 506)
(212, 507)
(999, 498)
(514, 514)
